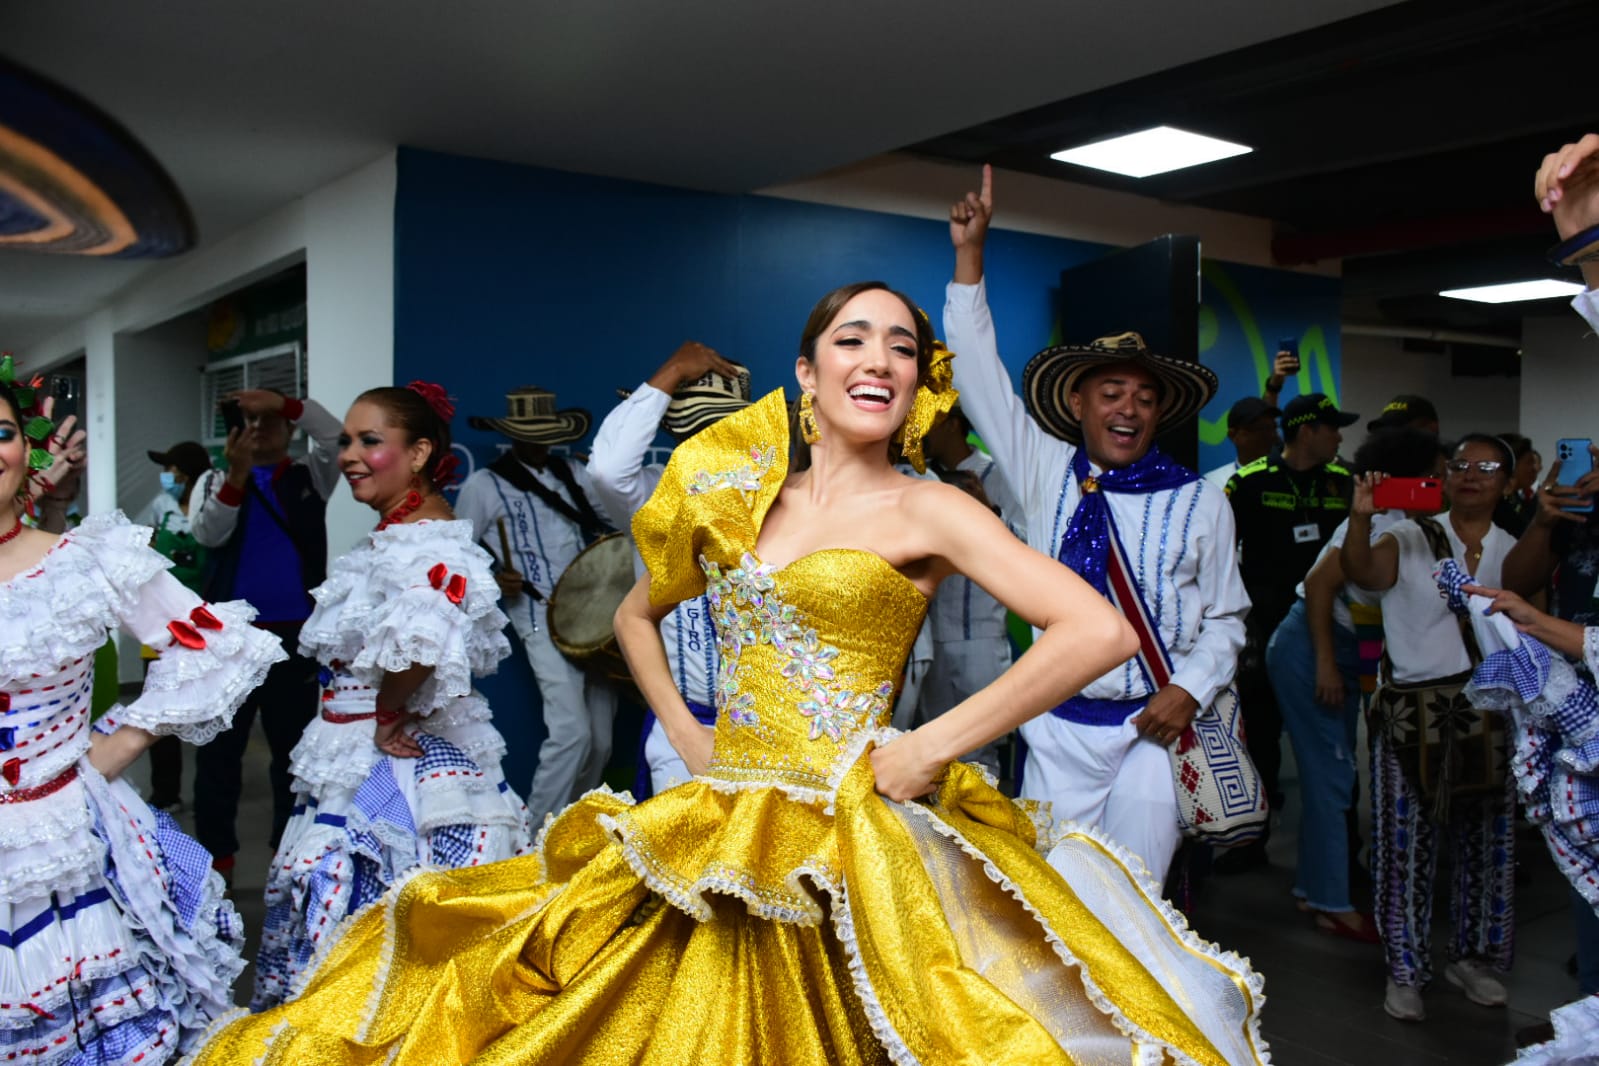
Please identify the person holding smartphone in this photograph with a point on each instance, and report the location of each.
(264, 519)
(1313, 660)
(1437, 765)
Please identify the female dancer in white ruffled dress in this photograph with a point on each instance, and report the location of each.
(116, 945)
(401, 771)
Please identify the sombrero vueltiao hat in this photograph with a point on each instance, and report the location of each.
(699, 403)
(532, 417)
(1052, 374)
(75, 182)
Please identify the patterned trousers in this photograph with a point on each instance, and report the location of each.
(1405, 843)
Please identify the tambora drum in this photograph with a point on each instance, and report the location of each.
(585, 598)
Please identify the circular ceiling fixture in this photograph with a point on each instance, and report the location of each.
(73, 181)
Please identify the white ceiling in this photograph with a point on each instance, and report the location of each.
(250, 105)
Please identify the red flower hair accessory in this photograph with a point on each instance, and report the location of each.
(444, 471)
(436, 397)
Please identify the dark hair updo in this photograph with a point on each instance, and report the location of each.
(410, 411)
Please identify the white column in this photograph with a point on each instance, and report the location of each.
(350, 307)
(100, 407)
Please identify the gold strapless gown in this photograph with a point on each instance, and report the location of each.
(776, 909)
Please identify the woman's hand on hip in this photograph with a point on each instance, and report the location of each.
(904, 768)
(392, 739)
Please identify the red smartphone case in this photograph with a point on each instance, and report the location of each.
(1409, 494)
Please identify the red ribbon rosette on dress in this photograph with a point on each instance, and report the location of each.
(187, 632)
(452, 585)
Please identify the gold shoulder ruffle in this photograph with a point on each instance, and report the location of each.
(712, 497)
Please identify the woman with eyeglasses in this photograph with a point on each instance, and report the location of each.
(1438, 766)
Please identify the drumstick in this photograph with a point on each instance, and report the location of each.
(505, 541)
(505, 554)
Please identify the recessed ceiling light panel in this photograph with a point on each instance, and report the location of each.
(1151, 151)
(1515, 291)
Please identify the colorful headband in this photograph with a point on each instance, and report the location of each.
(35, 426)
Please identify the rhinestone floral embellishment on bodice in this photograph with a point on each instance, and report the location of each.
(746, 478)
(749, 611)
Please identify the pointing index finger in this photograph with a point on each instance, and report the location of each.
(987, 195)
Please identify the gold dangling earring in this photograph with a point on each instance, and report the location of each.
(807, 420)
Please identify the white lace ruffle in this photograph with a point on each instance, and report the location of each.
(331, 755)
(49, 846)
(199, 967)
(42, 970)
(378, 611)
(467, 801)
(192, 693)
(63, 609)
(341, 755)
(1576, 1041)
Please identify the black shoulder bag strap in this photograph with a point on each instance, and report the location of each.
(283, 524)
(593, 525)
(511, 469)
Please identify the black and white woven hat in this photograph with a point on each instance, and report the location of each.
(703, 401)
(532, 417)
(1052, 374)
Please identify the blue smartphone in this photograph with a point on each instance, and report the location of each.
(1576, 463)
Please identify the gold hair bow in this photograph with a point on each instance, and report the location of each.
(935, 398)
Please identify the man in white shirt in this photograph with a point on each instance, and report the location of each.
(1099, 757)
(690, 391)
(541, 502)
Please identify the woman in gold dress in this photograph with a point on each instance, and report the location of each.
(824, 890)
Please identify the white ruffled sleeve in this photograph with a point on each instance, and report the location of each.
(211, 656)
(438, 608)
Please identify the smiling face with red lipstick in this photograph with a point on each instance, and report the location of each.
(376, 458)
(861, 355)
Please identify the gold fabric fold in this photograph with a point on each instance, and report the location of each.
(504, 964)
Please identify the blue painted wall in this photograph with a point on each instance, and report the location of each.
(1244, 312)
(509, 275)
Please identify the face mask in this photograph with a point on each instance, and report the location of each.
(170, 484)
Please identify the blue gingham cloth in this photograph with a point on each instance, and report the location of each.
(1555, 712)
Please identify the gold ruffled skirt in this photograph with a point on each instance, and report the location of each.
(667, 932)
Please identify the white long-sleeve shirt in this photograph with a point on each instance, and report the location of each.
(1182, 542)
(623, 484)
(543, 541)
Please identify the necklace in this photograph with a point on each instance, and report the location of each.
(1474, 552)
(11, 534)
(412, 501)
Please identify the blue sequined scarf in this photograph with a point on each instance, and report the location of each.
(1086, 547)
(1087, 540)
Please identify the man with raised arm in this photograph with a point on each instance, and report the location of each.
(690, 391)
(1090, 473)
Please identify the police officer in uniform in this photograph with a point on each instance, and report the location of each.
(1286, 504)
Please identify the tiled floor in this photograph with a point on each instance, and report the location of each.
(1324, 995)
